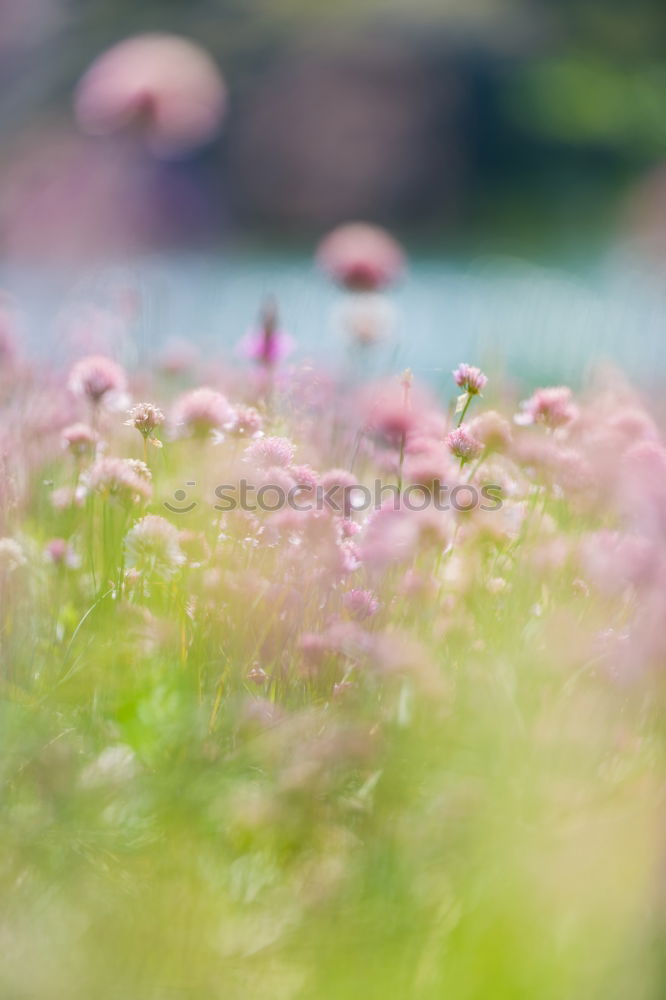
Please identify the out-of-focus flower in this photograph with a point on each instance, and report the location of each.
(270, 451)
(12, 556)
(80, 440)
(247, 422)
(366, 318)
(343, 637)
(360, 604)
(97, 378)
(463, 444)
(394, 411)
(267, 345)
(361, 257)
(491, 430)
(642, 488)
(394, 533)
(201, 411)
(305, 478)
(153, 546)
(470, 379)
(613, 560)
(427, 462)
(146, 418)
(194, 547)
(166, 87)
(67, 498)
(8, 331)
(337, 486)
(120, 478)
(140, 468)
(551, 406)
(59, 552)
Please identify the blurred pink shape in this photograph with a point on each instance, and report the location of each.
(163, 85)
(267, 344)
(9, 346)
(269, 350)
(361, 257)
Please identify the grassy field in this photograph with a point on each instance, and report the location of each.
(343, 752)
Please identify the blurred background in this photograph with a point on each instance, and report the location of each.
(514, 147)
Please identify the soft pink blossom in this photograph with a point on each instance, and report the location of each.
(59, 552)
(79, 439)
(121, 478)
(361, 256)
(360, 604)
(267, 344)
(394, 411)
(491, 430)
(463, 444)
(552, 406)
(337, 487)
(270, 451)
(96, 378)
(200, 411)
(153, 545)
(166, 87)
(145, 418)
(247, 422)
(470, 379)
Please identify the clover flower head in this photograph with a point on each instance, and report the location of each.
(126, 480)
(79, 439)
(166, 87)
(96, 378)
(360, 604)
(361, 257)
(470, 379)
(551, 406)
(152, 545)
(463, 444)
(201, 411)
(247, 422)
(270, 451)
(145, 418)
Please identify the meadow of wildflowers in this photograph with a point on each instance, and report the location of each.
(318, 688)
(318, 685)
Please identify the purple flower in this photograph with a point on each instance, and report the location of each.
(551, 406)
(470, 379)
(361, 257)
(165, 87)
(247, 422)
(270, 451)
(265, 347)
(79, 439)
(463, 445)
(201, 411)
(59, 552)
(360, 604)
(97, 377)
